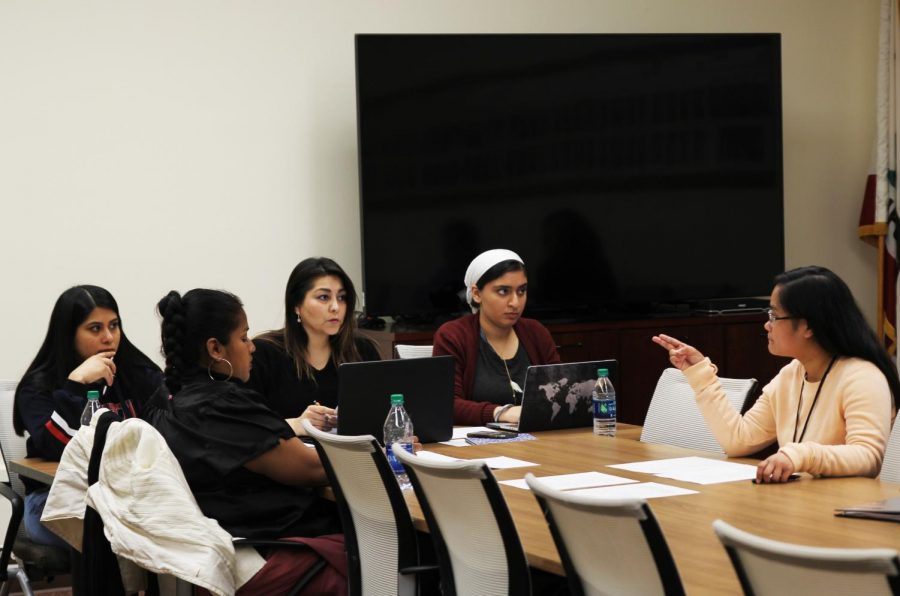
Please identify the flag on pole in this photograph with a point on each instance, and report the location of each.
(878, 219)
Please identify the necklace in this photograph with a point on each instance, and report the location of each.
(515, 386)
(815, 399)
(512, 384)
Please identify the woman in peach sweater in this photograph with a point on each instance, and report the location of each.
(830, 409)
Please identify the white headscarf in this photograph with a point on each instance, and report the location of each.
(480, 265)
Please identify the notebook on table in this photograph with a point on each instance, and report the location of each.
(365, 388)
(558, 396)
(886, 510)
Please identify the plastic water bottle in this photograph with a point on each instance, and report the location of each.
(398, 428)
(604, 402)
(93, 404)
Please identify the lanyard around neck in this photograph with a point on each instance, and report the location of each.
(815, 399)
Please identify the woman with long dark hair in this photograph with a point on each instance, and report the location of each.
(830, 409)
(85, 349)
(495, 345)
(296, 366)
(246, 468)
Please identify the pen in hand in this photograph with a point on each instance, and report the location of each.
(328, 417)
(106, 385)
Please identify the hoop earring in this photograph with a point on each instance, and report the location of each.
(209, 369)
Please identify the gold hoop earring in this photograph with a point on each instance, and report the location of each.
(209, 369)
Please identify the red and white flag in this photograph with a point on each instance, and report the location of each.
(878, 219)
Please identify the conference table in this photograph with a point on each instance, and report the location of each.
(801, 511)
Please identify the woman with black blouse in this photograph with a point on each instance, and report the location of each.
(295, 367)
(242, 461)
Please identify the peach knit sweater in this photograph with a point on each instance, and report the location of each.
(846, 433)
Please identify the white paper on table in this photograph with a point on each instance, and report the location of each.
(456, 443)
(432, 456)
(700, 470)
(643, 490)
(659, 466)
(574, 481)
(460, 432)
(497, 463)
(502, 462)
(713, 475)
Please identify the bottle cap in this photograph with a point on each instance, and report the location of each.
(602, 372)
(396, 399)
(93, 394)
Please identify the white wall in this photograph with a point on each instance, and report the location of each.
(146, 146)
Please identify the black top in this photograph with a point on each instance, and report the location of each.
(214, 428)
(53, 416)
(274, 377)
(491, 381)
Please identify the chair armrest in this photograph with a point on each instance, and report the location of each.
(417, 569)
(269, 542)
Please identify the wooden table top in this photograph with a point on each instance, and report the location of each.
(35, 468)
(801, 512)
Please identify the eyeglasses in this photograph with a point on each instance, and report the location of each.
(773, 318)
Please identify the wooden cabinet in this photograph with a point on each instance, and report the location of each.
(735, 343)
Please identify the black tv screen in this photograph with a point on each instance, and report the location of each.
(626, 170)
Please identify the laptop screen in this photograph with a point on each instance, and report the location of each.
(364, 390)
(559, 395)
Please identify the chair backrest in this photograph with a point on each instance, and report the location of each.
(607, 546)
(12, 508)
(766, 566)
(475, 538)
(11, 444)
(41, 560)
(890, 467)
(674, 419)
(378, 530)
(405, 351)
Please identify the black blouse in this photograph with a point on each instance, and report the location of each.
(214, 428)
(492, 381)
(274, 378)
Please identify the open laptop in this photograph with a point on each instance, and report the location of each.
(365, 388)
(559, 395)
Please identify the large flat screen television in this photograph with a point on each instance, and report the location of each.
(627, 170)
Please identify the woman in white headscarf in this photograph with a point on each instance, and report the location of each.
(494, 346)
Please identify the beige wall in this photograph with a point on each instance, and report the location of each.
(146, 146)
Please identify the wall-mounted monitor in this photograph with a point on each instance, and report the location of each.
(627, 170)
